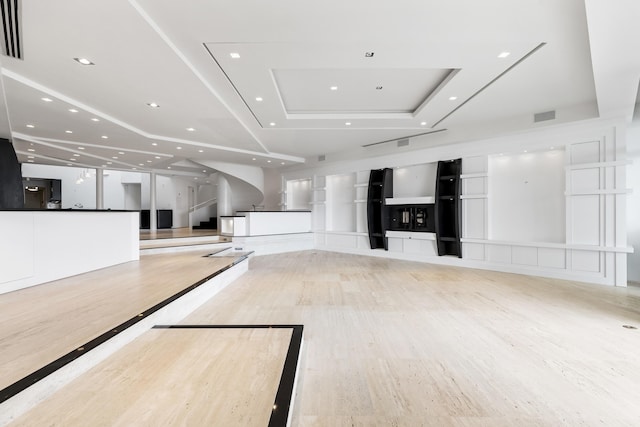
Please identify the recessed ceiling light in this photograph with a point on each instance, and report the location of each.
(30, 157)
(178, 148)
(234, 55)
(157, 157)
(104, 166)
(200, 151)
(135, 169)
(80, 148)
(47, 99)
(504, 54)
(268, 161)
(76, 155)
(68, 131)
(30, 161)
(423, 123)
(140, 164)
(95, 119)
(153, 105)
(204, 170)
(550, 148)
(282, 163)
(334, 88)
(149, 161)
(168, 167)
(272, 124)
(30, 126)
(154, 143)
(348, 123)
(104, 137)
(191, 129)
(525, 151)
(73, 110)
(453, 98)
(258, 98)
(73, 159)
(109, 163)
(83, 61)
(68, 164)
(31, 149)
(253, 158)
(120, 152)
(115, 157)
(195, 177)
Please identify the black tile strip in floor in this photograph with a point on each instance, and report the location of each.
(23, 383)
(284, 395)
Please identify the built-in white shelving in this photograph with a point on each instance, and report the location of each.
(410, 200)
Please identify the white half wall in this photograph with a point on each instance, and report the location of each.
(41, 246)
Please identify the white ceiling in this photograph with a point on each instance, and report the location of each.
(436, 62)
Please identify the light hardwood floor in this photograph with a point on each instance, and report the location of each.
(194, 377)
(393, 343)
(42, 323)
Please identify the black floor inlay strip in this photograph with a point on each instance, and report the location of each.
(20, 385)
(284, 395)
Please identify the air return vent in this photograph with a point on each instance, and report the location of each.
(543, 117)
(322, 158)
(403, 142)
(11, 28)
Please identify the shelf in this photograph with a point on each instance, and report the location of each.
(426, 200)
(450, 177)
(447, 239)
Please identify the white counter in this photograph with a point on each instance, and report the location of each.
(265, 223)
(38, 246)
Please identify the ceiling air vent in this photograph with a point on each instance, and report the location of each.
(11, 28)
(322, 158)
(543, 117)
(403, 142)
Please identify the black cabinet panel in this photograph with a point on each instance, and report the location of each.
(447, 208)
(380, 188)
(11, 191)
(164, 218)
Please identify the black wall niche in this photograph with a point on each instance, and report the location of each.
(11, 192)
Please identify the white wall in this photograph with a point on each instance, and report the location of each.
(548, 219)
(526, 197)
(633, 202)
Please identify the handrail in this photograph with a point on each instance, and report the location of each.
(203, 204)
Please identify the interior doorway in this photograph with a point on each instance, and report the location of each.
(132, 196)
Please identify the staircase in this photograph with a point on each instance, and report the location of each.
(211, 224)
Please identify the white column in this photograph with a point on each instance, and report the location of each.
(153, 216)
(99, 189)
(225, 206)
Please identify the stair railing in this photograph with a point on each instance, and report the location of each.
(199, 206)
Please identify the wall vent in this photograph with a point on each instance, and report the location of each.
(543, 117)
(322, 158)
(403, 142)
(11, 33)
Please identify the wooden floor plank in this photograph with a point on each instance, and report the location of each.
(197, 377)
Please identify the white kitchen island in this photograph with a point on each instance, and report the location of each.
(266, 232)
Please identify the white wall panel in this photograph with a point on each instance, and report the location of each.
(585, 261)
(524, 255)
(585, 180)
(474, 251)
(499, 254)
(585, 221)
(585, 152)
(552, 258)
(474, 218)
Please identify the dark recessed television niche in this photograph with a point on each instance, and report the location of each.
(412, 218)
